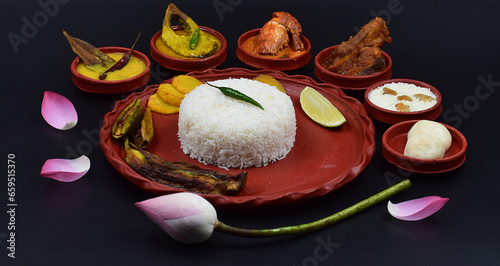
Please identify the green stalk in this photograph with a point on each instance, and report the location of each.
(316, 225)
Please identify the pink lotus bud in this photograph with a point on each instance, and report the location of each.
(417, 209)
(187, 217)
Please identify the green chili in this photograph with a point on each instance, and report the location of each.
(237, 95)
(194, 40)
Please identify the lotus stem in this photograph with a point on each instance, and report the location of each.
(319, 224)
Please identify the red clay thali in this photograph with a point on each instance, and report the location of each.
(321, 160)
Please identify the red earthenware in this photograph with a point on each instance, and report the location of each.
(349, 82)
(393, 117)
(394, 142)
(91, 85)
(263, 62)
(322, 159)
(195, 64)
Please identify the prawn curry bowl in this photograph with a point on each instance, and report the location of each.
(278, 45)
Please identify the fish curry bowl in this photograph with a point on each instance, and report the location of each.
(130, 82)
(282, 63)
(349, 82)
(169, 59)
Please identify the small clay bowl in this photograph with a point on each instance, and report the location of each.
(262, 62)
(187, 65)
(393, 117)
(349, 82)
(87, 84)
(394, 142)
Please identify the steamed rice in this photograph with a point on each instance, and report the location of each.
(230, 133)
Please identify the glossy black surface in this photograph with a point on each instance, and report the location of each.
(92, 221)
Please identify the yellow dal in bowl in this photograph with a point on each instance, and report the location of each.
(134, 67)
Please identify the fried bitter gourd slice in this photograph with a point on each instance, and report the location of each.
(127, 120)
(183, 175)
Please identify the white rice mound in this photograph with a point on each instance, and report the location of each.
(230, 133)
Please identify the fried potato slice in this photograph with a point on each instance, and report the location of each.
(169, 94)
(185, 83)
(270, 81)
(156, 104)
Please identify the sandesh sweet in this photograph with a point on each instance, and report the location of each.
(427, 140)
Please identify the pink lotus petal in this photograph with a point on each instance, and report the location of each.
(66, 170)
(186, 217)
(58, 111)
(417, 209)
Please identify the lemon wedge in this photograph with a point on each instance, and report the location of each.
(320, 109)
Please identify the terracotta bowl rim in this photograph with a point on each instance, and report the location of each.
(108, 49)
(404, 80)
(418, 165)
(323, 53)
(251, 33)
(262, 62)
(213, 32)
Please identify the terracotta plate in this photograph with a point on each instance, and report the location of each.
(394, 142)
(321, 160)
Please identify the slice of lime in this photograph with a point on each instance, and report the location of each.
(320, 109)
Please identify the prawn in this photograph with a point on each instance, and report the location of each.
(274, 35)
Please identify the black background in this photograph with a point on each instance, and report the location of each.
(451, 45)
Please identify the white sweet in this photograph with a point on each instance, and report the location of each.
(432, 128)
(424, 146)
